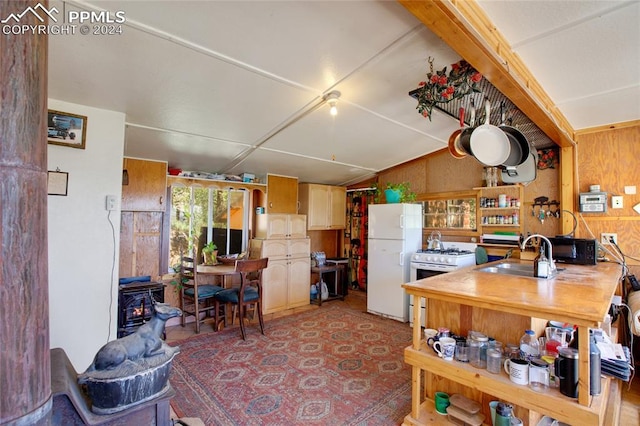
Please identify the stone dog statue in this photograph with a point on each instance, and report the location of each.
(145, 342)
(133, 369)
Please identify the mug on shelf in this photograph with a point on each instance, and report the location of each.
(430, 335)
(441, 401)
(518, 370)
(445, 347)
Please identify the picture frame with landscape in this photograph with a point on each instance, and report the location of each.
(66, 129)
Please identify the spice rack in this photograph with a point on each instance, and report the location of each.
(500, 207)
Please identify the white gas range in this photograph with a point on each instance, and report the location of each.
(428, 263)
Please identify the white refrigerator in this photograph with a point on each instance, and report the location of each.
(395, 233)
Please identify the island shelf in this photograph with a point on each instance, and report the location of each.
(504, 306)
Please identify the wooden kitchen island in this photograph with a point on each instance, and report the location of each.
(503, 306)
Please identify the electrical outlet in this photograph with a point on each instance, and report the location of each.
(605, 238)
(616, 202)
(112, 202)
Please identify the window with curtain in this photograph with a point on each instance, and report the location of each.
(201, 215)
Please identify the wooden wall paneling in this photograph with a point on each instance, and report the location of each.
(436, 172)
(443, 314)
(567, 182)
(609, 158)
(413, 172)
(147, 242)
(326, 241)
(546, 184)
(446, 173)
(506, 328)
(597, 159)
(140, 242)
(126, 245)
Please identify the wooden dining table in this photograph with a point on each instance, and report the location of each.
(223, 270)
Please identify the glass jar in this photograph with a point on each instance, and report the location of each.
(512, 351)
(478, 345)
(494, 360)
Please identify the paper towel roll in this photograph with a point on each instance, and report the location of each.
(633, 300)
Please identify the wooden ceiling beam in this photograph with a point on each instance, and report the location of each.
(466, 28)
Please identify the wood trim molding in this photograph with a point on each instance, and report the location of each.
(606, 127)
(466, 28)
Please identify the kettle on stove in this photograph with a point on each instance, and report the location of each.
(434, 242)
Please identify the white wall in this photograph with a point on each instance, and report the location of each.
(83, 244)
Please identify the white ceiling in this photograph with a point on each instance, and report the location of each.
(232, 87)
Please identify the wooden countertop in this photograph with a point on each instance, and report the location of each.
(579, 294)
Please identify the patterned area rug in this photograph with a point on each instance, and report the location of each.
(328, 366)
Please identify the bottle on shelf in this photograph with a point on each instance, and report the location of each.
(529, 345)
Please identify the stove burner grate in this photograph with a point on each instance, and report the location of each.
(451, 252)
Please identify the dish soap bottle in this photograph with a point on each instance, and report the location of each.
(541, 264)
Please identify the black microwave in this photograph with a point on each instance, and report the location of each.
(574, 250)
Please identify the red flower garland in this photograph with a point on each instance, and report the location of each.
(438, 88)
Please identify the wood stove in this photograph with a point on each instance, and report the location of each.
(134, 303)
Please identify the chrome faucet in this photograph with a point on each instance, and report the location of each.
(552, 265)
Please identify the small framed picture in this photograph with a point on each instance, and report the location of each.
(66, 129)
(57, 182)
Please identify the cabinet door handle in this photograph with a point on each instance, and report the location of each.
(161, 200)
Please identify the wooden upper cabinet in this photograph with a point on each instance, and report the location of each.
(147, 188)
(282, 194)
(281, 226)
(324, 206)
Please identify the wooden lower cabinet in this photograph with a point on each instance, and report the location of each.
(286, 279)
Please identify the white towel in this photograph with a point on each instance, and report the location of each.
(633, 300)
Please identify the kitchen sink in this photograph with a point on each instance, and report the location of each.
(508, 268)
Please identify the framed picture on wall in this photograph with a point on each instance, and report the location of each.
(57, 182)
(66, 129)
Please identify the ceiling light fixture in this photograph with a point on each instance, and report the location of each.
(332, 99)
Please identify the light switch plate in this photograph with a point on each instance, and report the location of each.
(630, 190)
(616, 202)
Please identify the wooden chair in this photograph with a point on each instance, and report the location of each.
(247, 295)
(190, 287)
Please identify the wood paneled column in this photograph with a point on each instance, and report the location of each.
(25, 377)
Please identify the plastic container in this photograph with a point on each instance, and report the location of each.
(538, 375)
(494, 360)
(478, 345)
(529, 346)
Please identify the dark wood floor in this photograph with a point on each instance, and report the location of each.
(629, 411)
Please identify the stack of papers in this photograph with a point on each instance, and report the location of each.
(615, 360)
